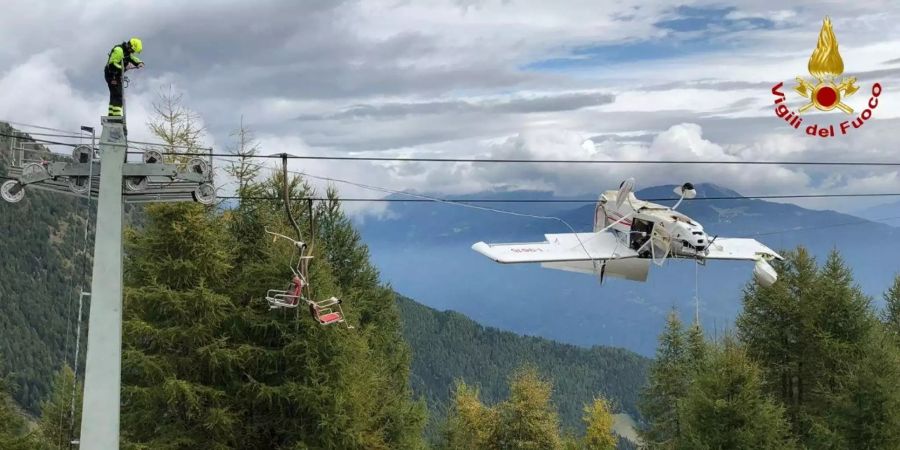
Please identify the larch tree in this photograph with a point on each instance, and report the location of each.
(58, 425)
(14, 433)
(599, 421)
(726, 407)
(469, 422)
(864, 411)
(891, 314)
(777, 328)
(697, 347)
(527, 420)
(822, 353)
(666, 387)
(244, 170)
(176, 125)
(840, 333)
(845, 319)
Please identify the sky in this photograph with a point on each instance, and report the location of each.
(576, 79)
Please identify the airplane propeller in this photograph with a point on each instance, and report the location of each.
(625, 190)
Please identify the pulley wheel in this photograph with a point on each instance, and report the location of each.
(136, 184)
(79, 185)
(199, 166)
(205, 194)
(153, 157)
(32, 169)
(12, 191)
(83, 154)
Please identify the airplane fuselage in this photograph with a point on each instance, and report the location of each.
(650, 228)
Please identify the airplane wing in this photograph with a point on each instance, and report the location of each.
(635, 269)
(739, 249)
(559, 248)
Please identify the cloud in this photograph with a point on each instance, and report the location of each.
(469, 78)
(30, 93)
(517, 105)
(774, 16)
(679, 142)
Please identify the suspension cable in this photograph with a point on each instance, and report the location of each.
(20, 124)
(512, 160)
(463, 205)
(84, 276)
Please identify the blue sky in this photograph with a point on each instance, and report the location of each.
(690, 31)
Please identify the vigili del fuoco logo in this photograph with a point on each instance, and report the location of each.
(825, 92)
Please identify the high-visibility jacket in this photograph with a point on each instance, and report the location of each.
(119, 55)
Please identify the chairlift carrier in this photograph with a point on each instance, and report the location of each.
(325, 312)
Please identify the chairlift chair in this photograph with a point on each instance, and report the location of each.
(288, 298)
(325, 312)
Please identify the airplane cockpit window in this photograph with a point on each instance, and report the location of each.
(640, 233)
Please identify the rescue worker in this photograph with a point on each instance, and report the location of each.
(121, 58)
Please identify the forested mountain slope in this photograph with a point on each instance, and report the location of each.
(448, 346)
(41, 269)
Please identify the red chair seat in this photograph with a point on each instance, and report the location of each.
(330, 318)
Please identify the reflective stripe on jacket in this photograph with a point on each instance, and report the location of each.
(120, 54)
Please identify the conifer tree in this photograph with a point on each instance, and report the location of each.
(864, 411)
(14, 434)
(176, 359)
(891, 314)
(176, 124)
(840, 330)
(57, 425)
(527, 420)
(599, 421)
(469, 423)
(666, 387)
(207, 364)
(244, 170)
(725, 406)
(844, 321)
(697, 347)
(815, 337)
(777, 327)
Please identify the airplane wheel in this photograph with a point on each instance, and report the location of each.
(12, 191)
(205, 194)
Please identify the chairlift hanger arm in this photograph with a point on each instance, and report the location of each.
(287, 197)
(279, 235)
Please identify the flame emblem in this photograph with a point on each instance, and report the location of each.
(826, 64)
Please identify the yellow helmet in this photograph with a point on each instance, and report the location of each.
(136, 45)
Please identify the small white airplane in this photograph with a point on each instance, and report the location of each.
(628, 235)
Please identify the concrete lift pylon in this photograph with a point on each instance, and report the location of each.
(103, 366)
(150, 181)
